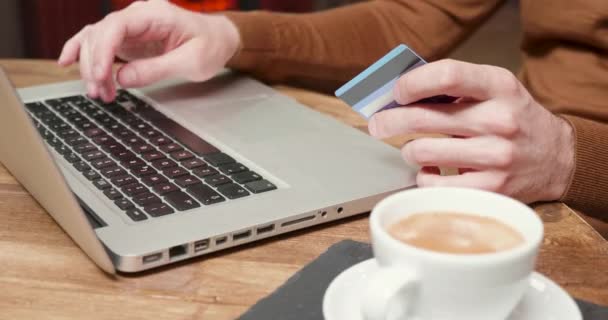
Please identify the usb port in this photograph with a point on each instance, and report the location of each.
(241, 235)
(152, 257)
(201, 245)
(220, 241)
(265, 229)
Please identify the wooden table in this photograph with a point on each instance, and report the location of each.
(43, 275)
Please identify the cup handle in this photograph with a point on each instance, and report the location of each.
(387, 290)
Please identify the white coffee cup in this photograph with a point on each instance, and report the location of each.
(414, 283)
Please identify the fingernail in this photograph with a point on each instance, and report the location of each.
(128, 77)
(397, 93)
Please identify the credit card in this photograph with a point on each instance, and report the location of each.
(371, 91)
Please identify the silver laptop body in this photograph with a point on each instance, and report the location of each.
(323, 170)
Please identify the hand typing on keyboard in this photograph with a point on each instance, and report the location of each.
(158, 39)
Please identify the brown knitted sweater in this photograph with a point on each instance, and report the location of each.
(565, 67)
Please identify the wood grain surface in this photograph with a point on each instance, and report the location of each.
(43, 275)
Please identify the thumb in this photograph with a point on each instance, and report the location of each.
(142, 72)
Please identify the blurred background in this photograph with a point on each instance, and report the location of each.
(38, 28)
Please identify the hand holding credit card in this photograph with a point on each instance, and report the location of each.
(371, 91)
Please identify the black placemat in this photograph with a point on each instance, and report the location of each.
(301, 297)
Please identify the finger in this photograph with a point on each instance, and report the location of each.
(143, 72)
(476, 153)
(455, 78)
(456, 119)
(71, 49)
(107, 90)
(106, 45)
(486, 180)
(85, 68)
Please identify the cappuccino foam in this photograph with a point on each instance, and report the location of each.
(456, 233)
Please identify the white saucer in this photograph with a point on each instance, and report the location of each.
(544, 299)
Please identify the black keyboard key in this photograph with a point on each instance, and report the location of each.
(133, 163)
(217, 180)
(158, 209)
(260, 186)
(204, 194)
(188, 180)
(133, 189)
(85, 148)
(232, 191)
(133, 141)
(85, 125)
(62, 149)
(59, 126)
(93, 132)
(154, 179)
(141, 171)
(181, 134)
(106, 121)
(175, 172)
(112, 172)
(163, 164)
(82, 166)
(160, 141)
(171, 147)
(181, 201)
(153, 156)
(104, 139)
(143, 148)
(204, 172)
(112, 194)
(193, 163)
(102, 184)
(103, 163)
(123, 180)
(164, 188)
(136, 215)
(149, 134)
(232, 168)
(113, 147)
(68, 133)
(91, 175)
(76, 140)
(93, 155)
(146, 198)
(182, 155)
(141, 127)
(124, 134)
(54, 142)
(218, 159)
(72, 157)
(35, 107)
(123, 155)
(116, 127)
(247, 176)
(124, 204)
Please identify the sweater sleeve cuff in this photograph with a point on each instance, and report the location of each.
(258, 38)
(588, 189)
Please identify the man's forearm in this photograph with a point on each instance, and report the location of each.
(322, 50)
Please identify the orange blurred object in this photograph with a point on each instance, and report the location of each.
(194, 5)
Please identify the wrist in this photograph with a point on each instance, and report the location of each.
(230, 34)
(564, 160)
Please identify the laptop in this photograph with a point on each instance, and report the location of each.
(179, 170)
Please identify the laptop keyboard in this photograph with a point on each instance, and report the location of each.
(146, 163)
